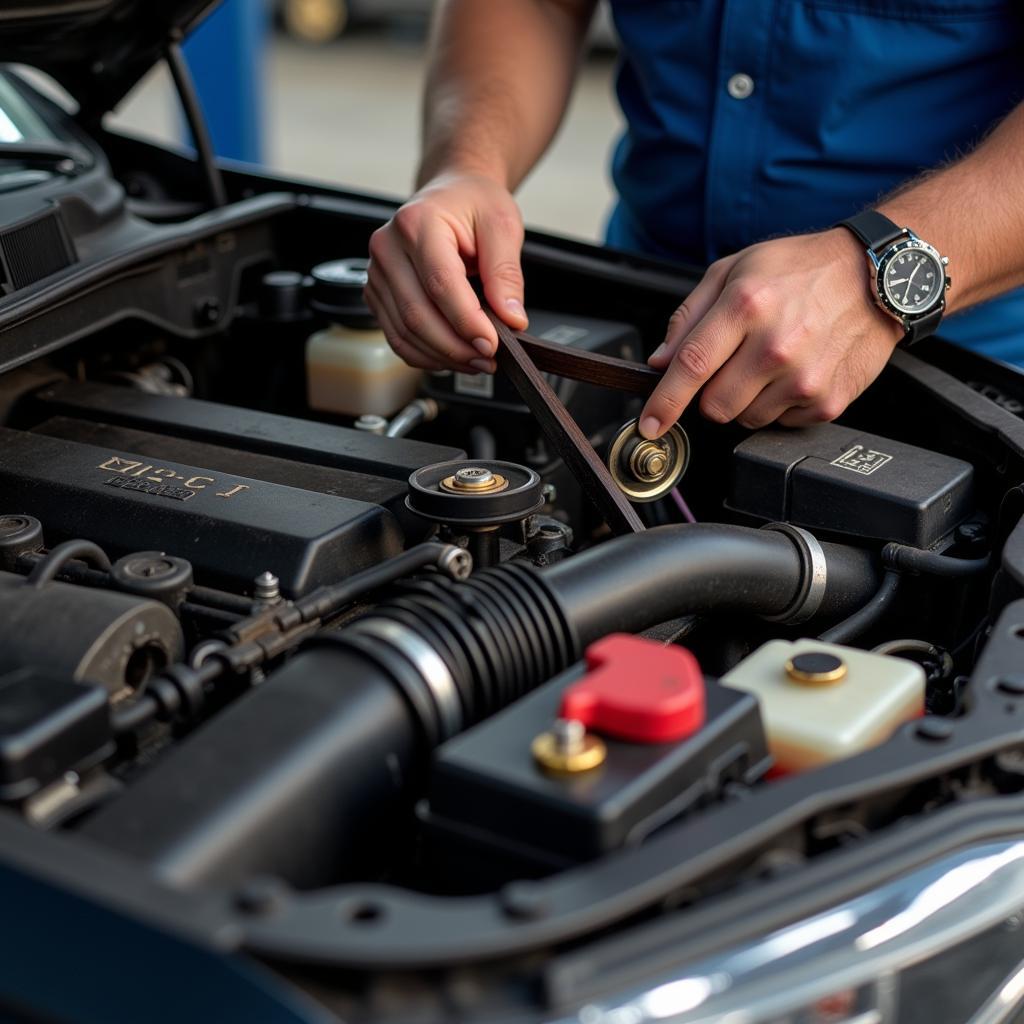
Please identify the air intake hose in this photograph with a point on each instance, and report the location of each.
(632, 583)
(462, 651)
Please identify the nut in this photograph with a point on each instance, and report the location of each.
(646, 470)
(649, 461)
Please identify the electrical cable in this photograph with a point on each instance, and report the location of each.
(326, 600)
(680, 503)
(181, 686)
(904, 558)
(50, 564)
(865, 617)
(897, 559)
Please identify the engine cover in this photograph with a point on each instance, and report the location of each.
(230, 527)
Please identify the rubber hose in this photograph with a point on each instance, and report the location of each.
(631, 583)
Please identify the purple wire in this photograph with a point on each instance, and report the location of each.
(682, 506)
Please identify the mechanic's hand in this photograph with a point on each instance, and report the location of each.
(785, 330)
(418, 289)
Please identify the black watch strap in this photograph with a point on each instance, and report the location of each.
(923, 326)
(874, 229)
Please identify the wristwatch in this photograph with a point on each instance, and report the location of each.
(909, 276)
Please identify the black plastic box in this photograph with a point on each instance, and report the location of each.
(48, 726)
(490, 802)
(849, 482)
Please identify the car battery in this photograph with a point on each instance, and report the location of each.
(653, 739)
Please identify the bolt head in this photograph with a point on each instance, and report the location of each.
(569, 734)
(371, 424)
(655, 464)
(267, 587)
(457, 562)
(567, 748)
(649, 461)
(477, 475)
(934, 729)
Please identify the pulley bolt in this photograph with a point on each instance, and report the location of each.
(267, 589)
(649, 461)
(474, 476)
(474, 480)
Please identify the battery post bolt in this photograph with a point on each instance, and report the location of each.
(568, 748)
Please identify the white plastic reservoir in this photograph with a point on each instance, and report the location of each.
(822, 702)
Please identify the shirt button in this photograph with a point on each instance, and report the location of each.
(740, 86)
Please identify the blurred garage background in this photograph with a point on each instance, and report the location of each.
(330, 90)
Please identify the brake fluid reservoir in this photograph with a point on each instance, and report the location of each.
(350, 368)
(821, 702)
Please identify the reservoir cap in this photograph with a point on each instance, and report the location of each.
(638, 690)
(338, 291)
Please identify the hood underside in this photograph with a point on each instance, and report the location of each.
(96, 49)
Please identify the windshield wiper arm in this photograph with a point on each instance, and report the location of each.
(64, 159)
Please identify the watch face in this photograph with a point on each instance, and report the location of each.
(913, 280)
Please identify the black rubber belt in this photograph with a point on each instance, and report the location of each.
(514, 359)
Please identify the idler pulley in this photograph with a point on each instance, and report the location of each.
(646, 470)
(476, 498)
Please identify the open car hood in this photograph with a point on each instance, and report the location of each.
(96, 49)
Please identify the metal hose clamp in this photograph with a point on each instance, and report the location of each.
(428, 664)
(813, 576)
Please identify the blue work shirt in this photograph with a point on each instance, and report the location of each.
(753, 118)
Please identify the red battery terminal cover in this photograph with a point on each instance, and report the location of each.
(638, 690)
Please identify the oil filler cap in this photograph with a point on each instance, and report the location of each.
(638, 690)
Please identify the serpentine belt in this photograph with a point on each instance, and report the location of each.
(524, 359)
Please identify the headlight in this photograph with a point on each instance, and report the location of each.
(942, 944)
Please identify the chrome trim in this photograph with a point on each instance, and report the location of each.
(1005, 1003)
(857, 943)
(814, 572)
(427, 662)
(818, 574)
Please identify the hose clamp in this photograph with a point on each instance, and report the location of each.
(427, 662)
(814, 575)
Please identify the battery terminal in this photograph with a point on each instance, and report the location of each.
(568, 748)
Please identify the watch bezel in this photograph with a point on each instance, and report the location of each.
(881, 264)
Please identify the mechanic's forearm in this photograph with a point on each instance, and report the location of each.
(973, 212)
(499, 80)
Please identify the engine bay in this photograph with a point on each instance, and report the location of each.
(350, 675)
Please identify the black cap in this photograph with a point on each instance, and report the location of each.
(154, 575)
(283, 296)
(338, 291)
(19, 535)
